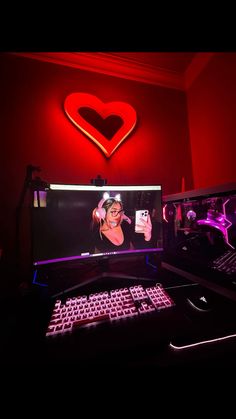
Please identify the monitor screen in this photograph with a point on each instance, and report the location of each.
(74, 222)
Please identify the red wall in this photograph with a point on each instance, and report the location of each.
(36, 131)
(212, 110)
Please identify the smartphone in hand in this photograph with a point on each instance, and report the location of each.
(139, 216)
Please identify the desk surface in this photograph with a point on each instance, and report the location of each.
(173, 337)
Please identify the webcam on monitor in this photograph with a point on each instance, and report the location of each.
(98, 181)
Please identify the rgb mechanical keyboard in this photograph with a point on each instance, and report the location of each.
(226, 263)
(109, 306)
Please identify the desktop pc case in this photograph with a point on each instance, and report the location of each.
(200, 231)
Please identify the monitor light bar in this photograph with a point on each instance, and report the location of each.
(60, 187)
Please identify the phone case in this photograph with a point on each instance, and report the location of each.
(140, 215)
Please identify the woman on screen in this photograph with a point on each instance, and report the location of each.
(113, 230)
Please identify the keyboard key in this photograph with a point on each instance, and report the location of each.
(225, 263)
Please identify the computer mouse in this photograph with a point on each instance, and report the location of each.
(199, 302)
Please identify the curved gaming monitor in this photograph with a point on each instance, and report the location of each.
(78, 222)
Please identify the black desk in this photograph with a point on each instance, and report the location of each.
(162, 341)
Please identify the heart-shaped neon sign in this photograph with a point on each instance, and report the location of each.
(75, 103)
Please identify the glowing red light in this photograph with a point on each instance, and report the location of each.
(75, 101)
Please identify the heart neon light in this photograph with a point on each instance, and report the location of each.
(75, 101)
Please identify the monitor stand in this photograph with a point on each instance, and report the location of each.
(132, 268)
